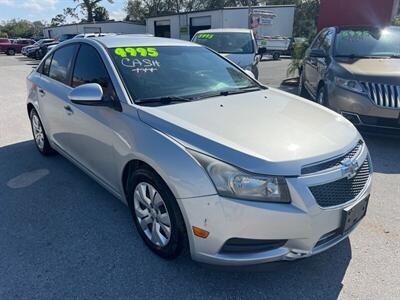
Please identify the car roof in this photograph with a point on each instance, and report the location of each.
(234, 30)
(139, 40)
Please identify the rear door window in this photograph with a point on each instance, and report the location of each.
(61, 64)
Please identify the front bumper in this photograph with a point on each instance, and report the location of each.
(363, 113)
(304, 226)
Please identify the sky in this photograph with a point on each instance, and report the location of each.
(34, 10)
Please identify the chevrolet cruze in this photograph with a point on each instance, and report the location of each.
(206, 158)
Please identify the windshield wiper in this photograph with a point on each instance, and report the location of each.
(394, 56)
(163, 100)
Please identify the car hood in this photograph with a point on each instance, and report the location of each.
(265, 132)
(242, 60)
(372, 67)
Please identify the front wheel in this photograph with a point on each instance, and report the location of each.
(322, 96)
(156, 214)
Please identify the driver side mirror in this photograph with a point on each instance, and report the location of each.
(87, 94)
(262, 51)
(318, 53)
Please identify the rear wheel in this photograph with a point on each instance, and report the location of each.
(10, 52)
(39, 135)
(276, 55)
(156, 214)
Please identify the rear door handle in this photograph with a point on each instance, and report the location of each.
(68, 110)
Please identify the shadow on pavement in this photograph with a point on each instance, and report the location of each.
(385, 153)
(64, 236)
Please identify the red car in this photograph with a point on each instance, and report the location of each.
(11, 48)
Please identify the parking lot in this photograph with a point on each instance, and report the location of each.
(64, 236)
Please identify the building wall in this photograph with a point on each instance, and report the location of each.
(357, 12)
(228, 18)
(110, 27)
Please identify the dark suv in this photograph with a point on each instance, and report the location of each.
(355, 71)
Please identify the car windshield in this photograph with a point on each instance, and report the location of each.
(177, 71)
(368, 42)
(227, 42)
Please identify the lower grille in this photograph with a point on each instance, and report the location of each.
(237, 245)
(343, 190)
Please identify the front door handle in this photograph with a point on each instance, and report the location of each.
(42, 92)
(68, 110)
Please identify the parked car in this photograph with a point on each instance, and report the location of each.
(66, 36)
(91, 35)
(355, 71)
(238, 45)
(29, 50)
(12, 47)
(275, 45)
(43, 49)
(205, 156)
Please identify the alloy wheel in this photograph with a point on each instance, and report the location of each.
(152, 214)
(38, 132)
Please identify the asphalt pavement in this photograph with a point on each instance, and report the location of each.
(63, 236)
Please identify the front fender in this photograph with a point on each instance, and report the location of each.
(139, 141)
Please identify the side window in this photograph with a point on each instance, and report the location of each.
(319, 40)
(46, 65)
(327, 43)
(89, 68)
(61, 63)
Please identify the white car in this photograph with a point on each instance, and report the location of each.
(238, 45)
(205, 157)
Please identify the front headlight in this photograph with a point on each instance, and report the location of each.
(235, 183)
(348, 84)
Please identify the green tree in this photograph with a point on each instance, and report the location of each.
(135, 11)
(58, 20)
(90, 8)
(100, 14)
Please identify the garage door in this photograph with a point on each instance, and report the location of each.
(162, 28)
(199, 23)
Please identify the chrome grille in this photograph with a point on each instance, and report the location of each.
(342, 190)
(384, 95)
(321, 166)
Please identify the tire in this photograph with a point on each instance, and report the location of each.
(302, 91)
(37, 55)
(10, 52)
(146, 213)
(276, 55)
(322, 96)
(39, 135)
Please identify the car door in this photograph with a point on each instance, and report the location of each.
(311, 65)
(53, 91)
(87, 135)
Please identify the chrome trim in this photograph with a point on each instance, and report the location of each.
(383, 95)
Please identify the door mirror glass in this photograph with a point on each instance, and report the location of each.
(250, 73)
(319, 53)
(87, 94)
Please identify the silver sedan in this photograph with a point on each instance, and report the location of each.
(205, 157)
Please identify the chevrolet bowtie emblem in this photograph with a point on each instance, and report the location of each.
(349, 168)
